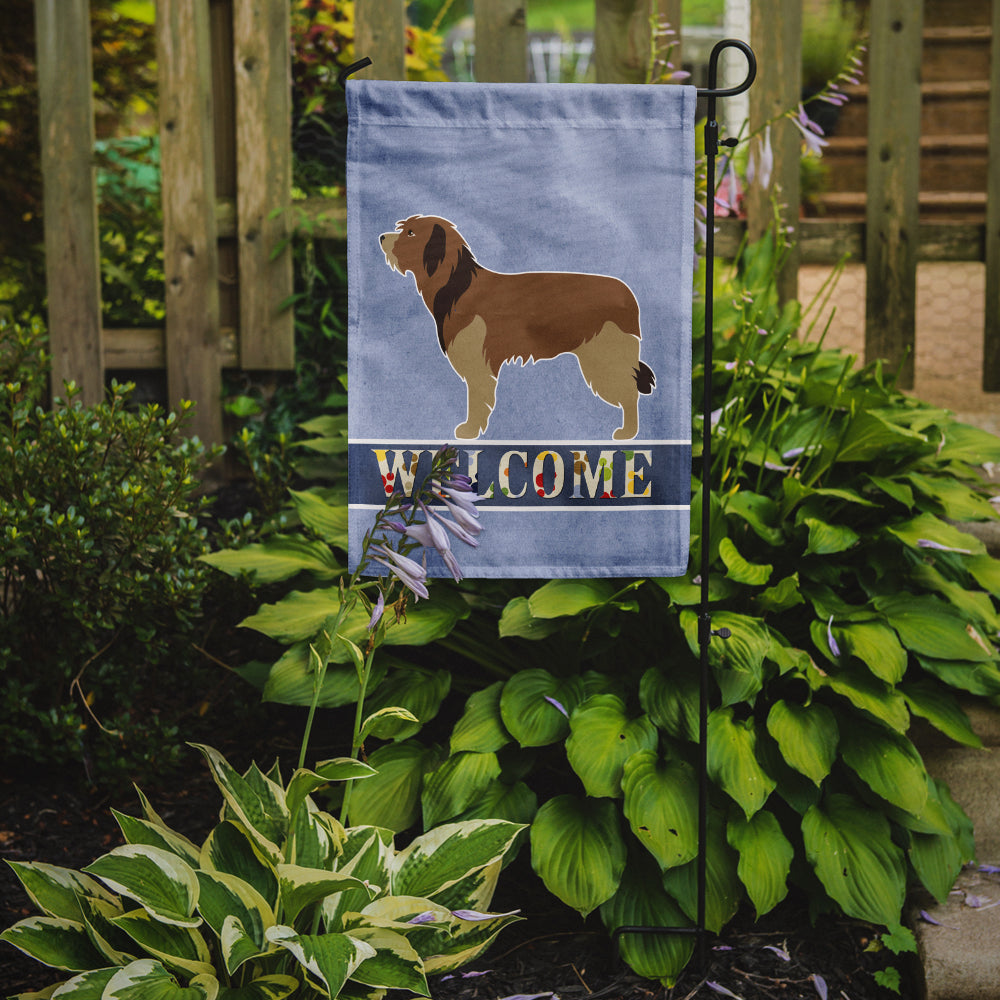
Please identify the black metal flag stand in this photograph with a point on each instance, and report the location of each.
(705, 631)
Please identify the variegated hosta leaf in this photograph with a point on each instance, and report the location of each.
(141, 831)
(888, 763)
(481, 727)
(467, 940)
(158, 880)
(177, 947)
(476, 890)
(391, 799)
(256, 801)
(86, 986)
(274, 987)
(642, 902)
(441, 857)
(723, 889)
(732, 760)
(116, 947)
(329, 959)
(230, 849)
(315, 838)
(850, 847)
(56, 891)
(147, 979)
(578, 851)
(395, 964)
(225, 897)
(661, 799)
(456, 784)
(535, 706)
(765, 858)
(602, 737)
(54, 941)
(300, 887)
(807, 736)
(367, 853)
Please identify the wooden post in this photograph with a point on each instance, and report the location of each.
(261, 41)
(190, 254)
(776, 35)
(501, 38)
(991, 333)
(380, 34)
(893, 183)
(622, 40)
(72, 256)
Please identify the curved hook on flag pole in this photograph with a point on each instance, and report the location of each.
(712, 90)
(353, 68)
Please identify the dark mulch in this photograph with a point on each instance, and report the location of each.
(551, 951)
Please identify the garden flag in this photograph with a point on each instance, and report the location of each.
(520, 262)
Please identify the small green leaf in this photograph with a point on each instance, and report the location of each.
(930, 627)
(481, 727)
(936, 704)
(327, 520)
(732, 760)
(765, 858)
(530, 706)
(671, 699)
(456, 784)
(391, 798)
(279, 558)
(739, 569)
(888, 763)
(517, 620)
(807, 736)
(559, 598)
(828, 539)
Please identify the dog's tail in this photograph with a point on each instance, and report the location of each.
(644, 378)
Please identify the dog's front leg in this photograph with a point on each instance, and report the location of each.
(467, 357)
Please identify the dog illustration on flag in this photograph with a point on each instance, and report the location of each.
(486, 319)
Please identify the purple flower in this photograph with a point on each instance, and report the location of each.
(558, 705)
(462, 498)
(780, 952)
(927, 543)
(427, 917)
(834, 648)
(811, 132)
(761, 162)
(475, 915)
(459, 530)
(719, 988)
(410, 573)
(820, 983)
(377, 611)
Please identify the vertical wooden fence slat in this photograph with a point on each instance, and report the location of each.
(776, 36)
(190, 254)
(991, 332)
(891, 241)
(72, 257)
(621, 40)
(501, 38)
(380, 34)
(261, 57)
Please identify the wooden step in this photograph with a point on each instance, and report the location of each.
(945, 104)
(947, 162)
(956, 53)
(957, 206)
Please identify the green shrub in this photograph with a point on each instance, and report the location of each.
(280, 899)
(854, 605)
(99, 541)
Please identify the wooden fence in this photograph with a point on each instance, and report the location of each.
(226, 160)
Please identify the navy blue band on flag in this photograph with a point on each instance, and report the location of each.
(607, 475)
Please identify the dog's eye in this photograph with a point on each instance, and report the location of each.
(409, 232)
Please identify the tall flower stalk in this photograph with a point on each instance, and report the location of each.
(442, 506)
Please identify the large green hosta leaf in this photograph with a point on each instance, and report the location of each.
(741, 570)
(932, 628)
(391, 798)
(328, 520)
(602, 738)
(888, 763)
(416, 689)
(558, 598)
(481, 727)
(671, 699)
(278, 558)
(732, 760)
(738, 661)
(876, 646)
(807, 736)
(642, 902)
(850, 848)
(456, 784)
(941, 709)
(661, 806)
(765, 858)
(928, 528)
(578, 851)
(535, 706)
(723, 889)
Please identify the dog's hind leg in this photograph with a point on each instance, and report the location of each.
(465, 353)
(609, 363)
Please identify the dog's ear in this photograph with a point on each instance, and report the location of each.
(434, 251)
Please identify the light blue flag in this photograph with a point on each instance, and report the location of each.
(520, 276)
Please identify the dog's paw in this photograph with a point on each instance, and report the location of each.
(624, 434)
(468, 431)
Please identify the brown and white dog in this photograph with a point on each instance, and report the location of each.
(486, 319)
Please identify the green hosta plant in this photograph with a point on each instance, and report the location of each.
(855, 605)
(279, 900)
